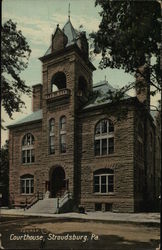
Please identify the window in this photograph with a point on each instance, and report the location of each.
(63, 134)
(140, 130)
(28, 149)
(151, 141)
(104, 181)
(151, 148)
(104, 138)
(82, 87)
(140, 179)
(98, 206)
(27, 184)
(140, 136)
(108, 207)
(51, 136)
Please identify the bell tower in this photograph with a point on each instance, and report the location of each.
(67, 82)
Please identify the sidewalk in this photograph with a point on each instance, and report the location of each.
(151, 218)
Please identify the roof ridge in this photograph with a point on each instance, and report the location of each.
(101, 83)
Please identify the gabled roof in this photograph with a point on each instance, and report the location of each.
(71, 33)
(34, 116)
(101, 89)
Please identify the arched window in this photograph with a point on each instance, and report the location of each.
(151, 148)
(103, 181)
(140, 130)
(63, 134)
(104, 138)
(140, 136)
(28, 148)
(158, 148)
(82, 87)
(151, 141)
(27, 184)
(58, 81)
(51, 136)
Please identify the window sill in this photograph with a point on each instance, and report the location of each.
(28, 164)
(57, 154)
(104, 194)
(105, 156)
(27, 194)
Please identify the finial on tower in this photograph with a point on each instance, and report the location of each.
(69, 12)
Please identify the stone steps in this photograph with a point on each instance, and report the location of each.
(47, 205)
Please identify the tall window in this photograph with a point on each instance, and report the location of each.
(63, 134)
(104, 138)
(82, 86)
(51, 136)
(151, 148)
(151, 141)
(28, 149)
(140, 137)
(27, 184)
(104, 181)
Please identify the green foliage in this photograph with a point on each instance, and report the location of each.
(15, 53)
(4, 172)
(129, 36)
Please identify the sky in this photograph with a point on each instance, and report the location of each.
(37, 19)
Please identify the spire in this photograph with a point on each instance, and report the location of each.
(69, 12)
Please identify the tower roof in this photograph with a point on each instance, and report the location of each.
(71, 33)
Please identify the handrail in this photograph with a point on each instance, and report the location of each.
(38, 196)
(66, 195)
(31, 202)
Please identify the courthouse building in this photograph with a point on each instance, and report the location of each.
(73, 142)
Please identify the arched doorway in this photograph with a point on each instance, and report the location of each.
(58, 182)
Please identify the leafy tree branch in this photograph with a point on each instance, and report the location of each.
(15, 55)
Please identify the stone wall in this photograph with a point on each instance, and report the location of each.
(144, 170)
(17, 168)
(121, 162)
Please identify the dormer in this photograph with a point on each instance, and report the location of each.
(83, 43)
(59, 40)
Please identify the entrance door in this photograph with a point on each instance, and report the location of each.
(58, 184)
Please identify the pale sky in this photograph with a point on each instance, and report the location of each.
(37, 19)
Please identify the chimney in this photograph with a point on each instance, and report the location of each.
(37, 97)
(143, 86)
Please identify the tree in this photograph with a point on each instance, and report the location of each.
(4, 173)
(129, 37)
(15, 53)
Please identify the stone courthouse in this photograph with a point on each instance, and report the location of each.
(73, 142)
